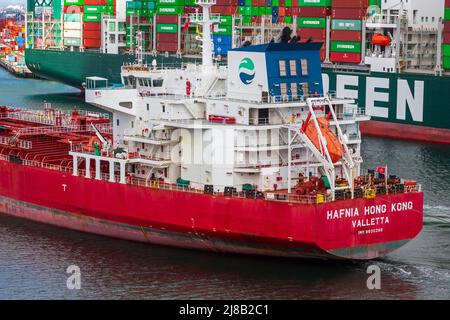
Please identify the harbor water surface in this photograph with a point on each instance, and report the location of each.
(34, 257)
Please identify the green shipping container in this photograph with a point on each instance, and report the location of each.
(226, 20)
(446, 50)
(167, 28)
(314, 3)
(170, 3)
(345, 46)
(92, 17)
(288, 20)
(222, 30)
(73, 2)
(248, 3)
(94, 9)
(275, 3)
(341, 24)
(135, 12)
(312, 23)
(446, 62)
(447, 14)
(170, 10)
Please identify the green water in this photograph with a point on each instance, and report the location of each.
(32, 93)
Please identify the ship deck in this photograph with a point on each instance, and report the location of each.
(45, 141)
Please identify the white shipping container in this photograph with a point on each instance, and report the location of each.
(72, 33)
(72, 25)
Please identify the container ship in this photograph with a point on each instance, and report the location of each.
(390, 56)
(212, 157)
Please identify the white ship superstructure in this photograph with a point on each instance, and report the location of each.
(233, 126)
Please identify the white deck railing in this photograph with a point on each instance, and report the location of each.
(156, 184)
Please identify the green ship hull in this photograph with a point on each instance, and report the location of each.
(405, 106)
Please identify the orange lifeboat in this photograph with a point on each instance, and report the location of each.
(381, 40)
(334, 147)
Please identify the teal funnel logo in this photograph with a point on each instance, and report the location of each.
(247, 71)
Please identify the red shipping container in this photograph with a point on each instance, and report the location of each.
(92, 43)
(137, 20)
(288, 11)
(166, 37)
(167, 18)
(226, 3)
(92, 34)
(446, 38)
(447, 3)
(95, 2)
(281, 12)
(314, 33)
(348, 13)
(224, 10)
(345, 57)
(73, 9)
(346, 35)
(192, 9)
(92, 26)
(256, 19)
(314, 12)
(350, 3)
(167, 46)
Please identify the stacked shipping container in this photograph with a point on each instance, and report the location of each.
(89, 13)
(168, 24)
(346, 30)
(446, 37)
(346, 16)
(312, 21)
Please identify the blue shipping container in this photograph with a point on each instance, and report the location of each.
(224, 40)
(222, 50)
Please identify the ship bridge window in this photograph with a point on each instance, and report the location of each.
(130, 81)
(283, 89)
(282, 65)
(304, 66)
(294, 89)
(158, 82)
(293, 67)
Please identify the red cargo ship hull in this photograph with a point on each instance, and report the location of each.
(352, 229)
